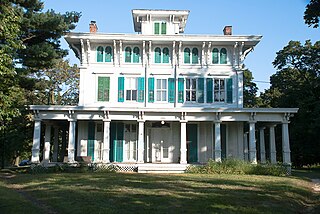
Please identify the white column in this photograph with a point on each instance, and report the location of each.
(36, 141)
(55, 144)
(217, 142)
(46, 148)
(262, 146)
(183, 142)
(245, 146)
(106, 141)
(273, 152)
(141, 141)
(285, 143)
(71, 140)
(252, 142)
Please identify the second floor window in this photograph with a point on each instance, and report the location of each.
(103, 89)
(161, 90)
(131, 89)
(191, 56)
(132, 55)
(219, 90)
(161, 56)
(191, 90)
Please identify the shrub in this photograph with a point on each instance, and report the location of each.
(233, 166)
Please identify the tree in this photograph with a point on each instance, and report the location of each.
(250, 90)
(312, 13)
(29, 48)
(297, 84)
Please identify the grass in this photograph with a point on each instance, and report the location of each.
(159, 193)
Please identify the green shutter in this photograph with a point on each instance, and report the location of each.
(151, 89)
(209, 90)
(165, 55)
(156, 28)
(223, 56)
(157, 55)
(141, 89)
(108, 57)
(103, 88)
(136, 55)
(127, 54)
(171, 93)
(186, 56)
(200, 91)
(90, 142)
(180, 90)
(163, 28)
(229, 90)
(100, 54)
(195, 56)
(215, 56)
(120, 89)
(192, 143)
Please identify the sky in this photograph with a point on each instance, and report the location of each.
(278, 21)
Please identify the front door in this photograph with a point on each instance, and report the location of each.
(160, 141)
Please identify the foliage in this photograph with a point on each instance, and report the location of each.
(312, 13)
(31, 68)
(250, 90)
(297, 84)
(238, 167)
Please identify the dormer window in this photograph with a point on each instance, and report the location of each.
(160, 28)
(191, 57)
(132, 55)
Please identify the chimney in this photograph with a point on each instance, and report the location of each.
(227, 30)
(93, 27)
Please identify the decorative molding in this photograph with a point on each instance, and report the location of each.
(88, 51)
(83, 59)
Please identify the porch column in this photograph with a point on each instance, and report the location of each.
(46, 148)
(262, 146)
(141, 141)
(273, 152)
(217, 141)
(183, 142)
(36, 141)
(55, 144)
(285, 143)
(252, 142)
(245, 146)
(106, 141)
(71, 140)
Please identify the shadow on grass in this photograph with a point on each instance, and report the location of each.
(158, 193)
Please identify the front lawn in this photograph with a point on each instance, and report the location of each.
(161, 193)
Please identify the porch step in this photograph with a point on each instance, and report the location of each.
(161, 168)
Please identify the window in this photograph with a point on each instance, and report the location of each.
(191, 57)
(161, 87)
(161, 56)
(132, 56)
(160, 28)
(103, 88)
(131, 89)
(223, 56)
(191, 90)
(100, 54)
(219, 57)
(108, 56)
(219, 90)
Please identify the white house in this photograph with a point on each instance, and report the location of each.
(160, 96)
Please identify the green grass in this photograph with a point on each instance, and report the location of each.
(160, 193)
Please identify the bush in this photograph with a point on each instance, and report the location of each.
(238, 167)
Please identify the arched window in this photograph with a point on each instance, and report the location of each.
(223, 56)
(195, 58)
(127, 54)
(100, 54)
(165, 55)
(186, 56)
(215, 56)
(157, 55)
(136, 55)
(108, 56)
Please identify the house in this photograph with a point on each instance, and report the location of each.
(160, 96)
